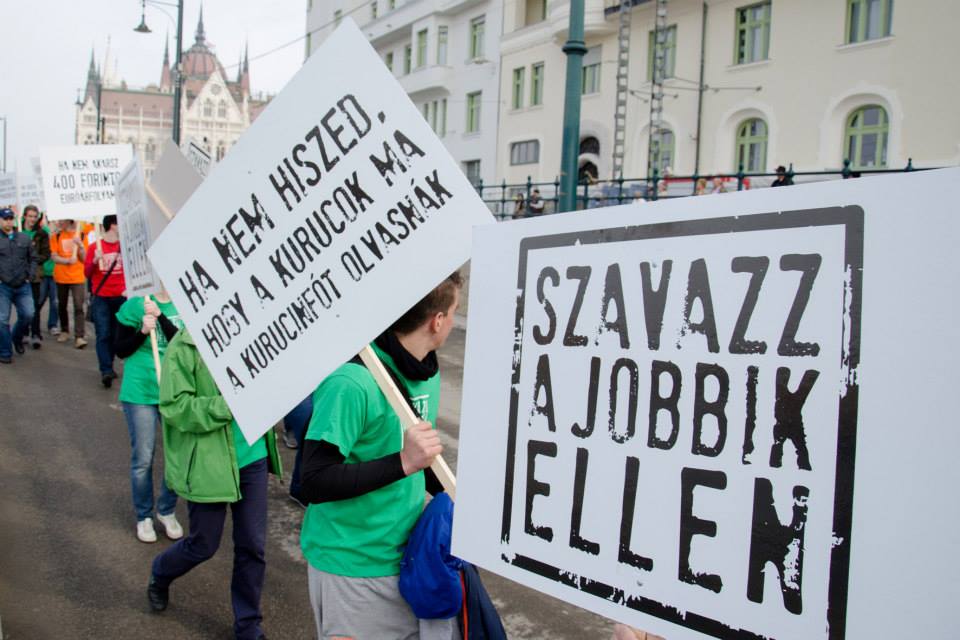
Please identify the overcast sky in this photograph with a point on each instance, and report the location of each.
(46, 51)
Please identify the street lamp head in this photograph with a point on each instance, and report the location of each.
(142, 27)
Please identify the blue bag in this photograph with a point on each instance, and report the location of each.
(429, 575)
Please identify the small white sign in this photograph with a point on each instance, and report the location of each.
(8, 189)
(199, 158)
(134, 227)
(666, 420)
(79, 181)
(337, 211)
(31, 192)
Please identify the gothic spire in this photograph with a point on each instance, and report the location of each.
(200, 36)
(166, 50)
(246, 58)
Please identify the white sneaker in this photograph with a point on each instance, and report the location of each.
(145, 532)
(170, 526)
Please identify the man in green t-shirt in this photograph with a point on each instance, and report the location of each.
(41, 281)
(363, 477)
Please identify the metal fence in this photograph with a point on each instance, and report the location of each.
(508, 201)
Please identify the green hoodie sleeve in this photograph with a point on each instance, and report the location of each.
(181, 405)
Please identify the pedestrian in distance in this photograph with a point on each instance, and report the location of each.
(68, 250)
(39, 283)
(782, 179)
(519, 206)
(17, 263)
(211, 465)
(535, 203)
(140, 398)
(365, 478)
(103, 267)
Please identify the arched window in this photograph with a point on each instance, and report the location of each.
(751, 152)
(207, 109)
(222, 109)
(866, 137)
(587, 173)
(590, 145)
(150, 151)
(662, 156)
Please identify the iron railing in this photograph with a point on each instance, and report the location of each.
(508, 201)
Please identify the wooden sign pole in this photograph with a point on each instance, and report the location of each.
(156, 352)
(406, 415)
(157, 201)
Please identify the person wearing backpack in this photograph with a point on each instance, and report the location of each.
(364, 478)
(103, 267)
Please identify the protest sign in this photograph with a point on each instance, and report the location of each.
(199, 158)
(336, 211)
(8, 188)
(665, 418)
(78, 181)
(135, 235)
(31, 192)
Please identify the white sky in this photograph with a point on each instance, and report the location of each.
(46, 51)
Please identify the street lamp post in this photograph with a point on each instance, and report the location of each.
(574, 49)
(177, 75)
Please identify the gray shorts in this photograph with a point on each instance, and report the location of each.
(369, 609)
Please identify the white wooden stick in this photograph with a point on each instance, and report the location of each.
(406, 415)
(156, 352)
(164, 209)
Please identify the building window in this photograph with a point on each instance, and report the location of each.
(442, 45)
(518, 81)
(337, 17)
(668, 38)
(536, 84)
(866, 137)
(471, 168)
(306, 48)
(373, 9)
(751, 145)
(391, 5)
(421, 48)
(221, 151)
(477, 28)
(753, 33)
(433, 115)
(473, 112)
(536, 11)
(388, 60)
(150, 151)
(590, 76)
(868, 19)
(443, 118)
(407, 58)
(207, 109)
(590, 145)
(222, 109)
(662, 155)
(426, 111)
(526, 152)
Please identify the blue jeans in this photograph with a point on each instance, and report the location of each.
(103, 311)
(44, 290)
(249, 547)
(22, 298)
(142, 422)
(296, 422)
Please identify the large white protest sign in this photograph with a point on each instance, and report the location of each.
(8, 188)
(31, 192)
(729, 416)
(134, 228)
(337, 211)
(79, 181)
(199, 158)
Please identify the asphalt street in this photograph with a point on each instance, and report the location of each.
(71, 567)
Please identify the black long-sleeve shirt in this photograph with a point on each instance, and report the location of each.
(128, 339)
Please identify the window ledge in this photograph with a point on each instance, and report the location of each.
(535, 107)
(590, 95)
(866, 44)
(748, 65)
(472, 134)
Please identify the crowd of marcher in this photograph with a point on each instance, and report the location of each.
(359, 475)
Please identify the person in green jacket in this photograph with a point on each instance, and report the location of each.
(211, 465)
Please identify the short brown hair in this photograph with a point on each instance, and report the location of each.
(437, 301)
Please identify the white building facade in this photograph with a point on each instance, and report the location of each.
(811, 82)
(215, 110)
(445, 54)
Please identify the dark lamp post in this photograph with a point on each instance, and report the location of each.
(177, 76)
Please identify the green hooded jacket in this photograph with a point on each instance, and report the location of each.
(199, 454)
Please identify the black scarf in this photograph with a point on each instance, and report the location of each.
(410, 367)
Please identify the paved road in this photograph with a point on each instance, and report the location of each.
(70, 566)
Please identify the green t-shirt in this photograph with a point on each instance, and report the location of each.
(139, 384)
(247, 454)
(363, 537)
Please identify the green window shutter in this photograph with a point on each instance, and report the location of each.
(536, 84)
(518, 81)
(752, 39)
